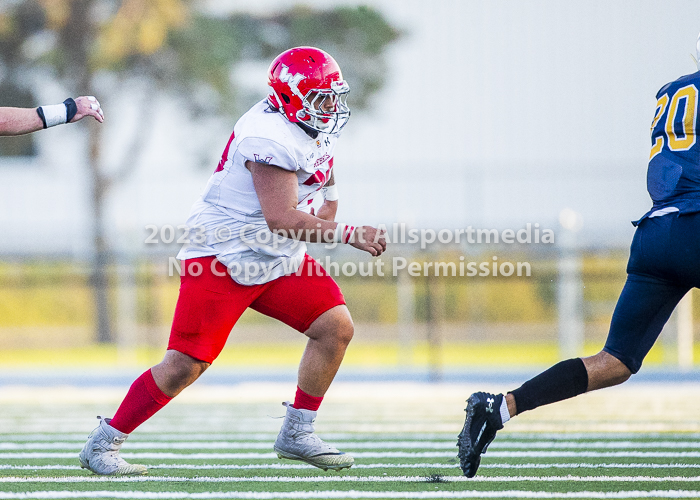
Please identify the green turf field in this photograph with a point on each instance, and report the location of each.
(636, 441)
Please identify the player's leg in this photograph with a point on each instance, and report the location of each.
(146, 396)
(311, 302)
(568, 379)
(156, 387)
(177, 371)
(329, 336)
(209, 304)
(643, 308)
(661, 269)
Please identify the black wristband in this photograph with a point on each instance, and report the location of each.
(40, 112)
(71, 110)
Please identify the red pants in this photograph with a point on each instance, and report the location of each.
(209, 305)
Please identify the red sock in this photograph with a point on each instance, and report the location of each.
(142, 401)
(303, 401)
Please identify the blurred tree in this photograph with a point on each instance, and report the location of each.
(169, 46)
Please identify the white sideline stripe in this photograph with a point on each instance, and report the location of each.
(586, 466)
(504, 436)
(348, 479)
(522, 435)
(283, 466)
(592, 454)
(277, 466)
(231, 456)
(387, 454)
(339, 436)
(415, 423)
(595, 444)
(425, 425)
(237, 445)
(362, 445)
(351, 494)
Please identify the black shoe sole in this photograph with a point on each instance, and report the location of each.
(470, 451)
(468, 463)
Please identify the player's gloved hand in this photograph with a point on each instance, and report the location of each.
(88, 106)
(369, 239)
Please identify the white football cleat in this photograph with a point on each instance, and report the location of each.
(297, 441)
(101, 452)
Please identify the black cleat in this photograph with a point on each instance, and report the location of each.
(482, 423)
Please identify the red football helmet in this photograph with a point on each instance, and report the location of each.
(307, 86)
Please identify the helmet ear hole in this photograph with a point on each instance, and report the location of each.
(286, 98)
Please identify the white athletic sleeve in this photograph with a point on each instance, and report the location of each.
(261, 150)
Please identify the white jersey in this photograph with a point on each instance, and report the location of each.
(227, 220)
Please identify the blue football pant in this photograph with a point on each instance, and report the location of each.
(664, 264)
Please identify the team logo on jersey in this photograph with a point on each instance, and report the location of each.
(322, 160)
(267, 159)
(318, 143)
(291, 80)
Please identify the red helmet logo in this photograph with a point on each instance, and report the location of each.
(291, 80)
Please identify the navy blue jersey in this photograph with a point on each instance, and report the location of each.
(673, 178)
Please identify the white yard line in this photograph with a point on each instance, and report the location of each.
(417, 424)
(592, 454)
(674, 445)
(286, 466)
(372, 454)
(588, 466)
(139, 495)
(503, 436)
(363, 445)
(349, 479)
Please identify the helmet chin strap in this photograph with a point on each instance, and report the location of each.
(313, 133)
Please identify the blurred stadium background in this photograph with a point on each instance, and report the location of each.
(493, 115)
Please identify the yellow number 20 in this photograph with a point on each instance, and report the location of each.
(688, 97)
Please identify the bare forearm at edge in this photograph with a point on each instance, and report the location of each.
(302, 226)
(19, 121)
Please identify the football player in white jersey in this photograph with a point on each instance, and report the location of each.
(19, 121)
(278, 161)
